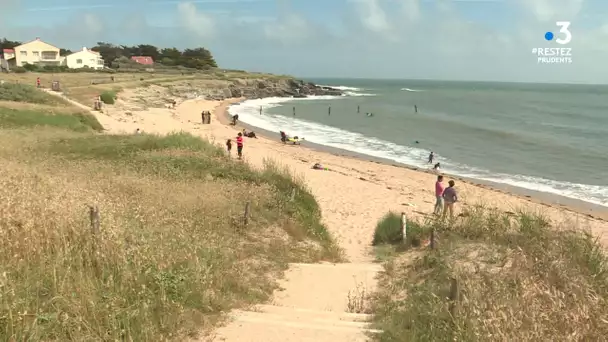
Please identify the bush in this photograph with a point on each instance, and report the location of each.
(388, 230)
(19, 70)
(108, 97)
(30, 67)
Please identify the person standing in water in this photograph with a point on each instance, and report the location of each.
(415, 109)
(449, 198)
(438, 195)
(431, 156)
(239, 145)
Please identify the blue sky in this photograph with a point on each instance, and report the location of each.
(429, 39)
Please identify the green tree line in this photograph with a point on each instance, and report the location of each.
(116, 55)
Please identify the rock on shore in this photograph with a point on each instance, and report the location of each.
(274, 88)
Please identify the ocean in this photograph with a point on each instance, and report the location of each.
(548, 138)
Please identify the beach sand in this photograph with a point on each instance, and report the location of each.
(353, 196)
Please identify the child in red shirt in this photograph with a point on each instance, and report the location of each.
(239, 145)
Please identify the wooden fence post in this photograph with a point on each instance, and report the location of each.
(433, 237)
(94, 217)
(246, 216)
(293, 194)
(404, 226)
(454, 297)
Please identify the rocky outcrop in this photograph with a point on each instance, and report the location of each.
(250, 88)
(160, 95)
(273, 88)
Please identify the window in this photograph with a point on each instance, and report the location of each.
(36, 54)
(23, 53)
(79, 61)
(49, 55)
(99, 62)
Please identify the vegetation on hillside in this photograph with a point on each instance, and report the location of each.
(517, 279)
(173, 250)
(118, 56)
(27, 93)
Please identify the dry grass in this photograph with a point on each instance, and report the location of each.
(520, 278)
(172, 253)
(85, 87)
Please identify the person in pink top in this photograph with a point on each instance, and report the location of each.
(439, 195)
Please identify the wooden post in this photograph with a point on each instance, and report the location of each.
(94, 217)
(293, 194)
(246, 216)
(404, 226)
(433, 245)
(454, 297)
(329, 111)
(358, 109)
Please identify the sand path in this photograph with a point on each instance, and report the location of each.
(313, 302)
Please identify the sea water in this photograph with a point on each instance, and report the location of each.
(549, 138)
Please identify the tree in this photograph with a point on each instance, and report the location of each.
(8, 44)
(64, 52)
(170, 56)
(109, 52)
(199, 58)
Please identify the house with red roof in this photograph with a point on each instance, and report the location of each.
(145, 60)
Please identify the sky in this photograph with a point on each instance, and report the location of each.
(487, 40)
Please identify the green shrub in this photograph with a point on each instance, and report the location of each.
(30, 67)
(80, 122)
(388, 230)
(108, 97)
(19, 70)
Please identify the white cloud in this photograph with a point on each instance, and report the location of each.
(545, 10)
(372, 16)
(195, 21)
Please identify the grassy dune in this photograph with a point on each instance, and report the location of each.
(519, 278)
(172, 252)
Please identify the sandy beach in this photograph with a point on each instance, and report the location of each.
(355, 193)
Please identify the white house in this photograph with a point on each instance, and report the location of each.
(34, 52)
(83, 59)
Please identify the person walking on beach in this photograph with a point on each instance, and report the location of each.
(229, 145)
(449, 198)
(438, 195)
(239, 145)
(38, 82)
(431, 156)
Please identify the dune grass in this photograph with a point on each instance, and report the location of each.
(173, 251)
(520, 279)
(79, 122)
(27, 93)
